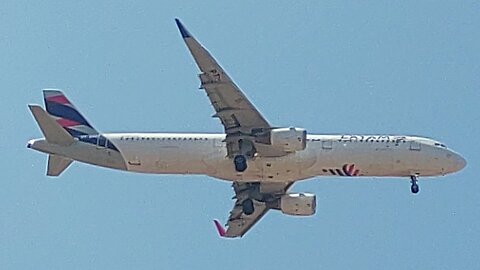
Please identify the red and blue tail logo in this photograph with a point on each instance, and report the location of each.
(66, 115)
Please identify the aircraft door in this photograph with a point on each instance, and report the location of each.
(415, 146)
(218, 143)
(327, 144)
(412, 162)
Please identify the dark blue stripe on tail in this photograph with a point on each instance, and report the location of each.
(75, 133)
(66, 112)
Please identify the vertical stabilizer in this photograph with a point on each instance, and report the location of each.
(65, 113)
(57, 164)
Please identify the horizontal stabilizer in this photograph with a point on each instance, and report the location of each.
(57, 164)
(53, 132)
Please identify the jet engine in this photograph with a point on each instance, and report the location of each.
(298, 204)
(290, 139)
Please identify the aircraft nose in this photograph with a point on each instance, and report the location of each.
(461, 162)
(458, 162)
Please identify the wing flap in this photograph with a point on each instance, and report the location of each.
(240, 118)
(221, 90)
(240, 223)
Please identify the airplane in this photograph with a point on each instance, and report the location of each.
(261, 160)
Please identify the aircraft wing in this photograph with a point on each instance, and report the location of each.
(238, 115)
(265, 196)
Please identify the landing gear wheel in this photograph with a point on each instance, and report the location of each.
(414, 188)
(240, 162)
(248, 207)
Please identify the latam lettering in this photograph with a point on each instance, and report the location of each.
(372, 138)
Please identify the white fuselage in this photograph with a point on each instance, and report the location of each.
(325, 155)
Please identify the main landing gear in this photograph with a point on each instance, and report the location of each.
(414, 188)
(248, 207)
(246, 150)
(240, 162)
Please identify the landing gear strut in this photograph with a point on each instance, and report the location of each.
(414, 188)
(248, 207)
(240, 162)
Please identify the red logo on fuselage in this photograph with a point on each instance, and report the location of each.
(349, 170)
(346, 170)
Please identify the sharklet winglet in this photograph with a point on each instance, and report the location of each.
(183, 30)
(220, 229)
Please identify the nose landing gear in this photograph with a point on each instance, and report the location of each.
(414, 188)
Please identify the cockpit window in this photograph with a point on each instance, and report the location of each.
(440, 145)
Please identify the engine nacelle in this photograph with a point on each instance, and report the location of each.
(298, 204)
(290, 139)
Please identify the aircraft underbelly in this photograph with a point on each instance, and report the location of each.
(167, 159)
(211, 159)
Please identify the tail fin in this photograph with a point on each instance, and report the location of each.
(57, 164)
(65, 113)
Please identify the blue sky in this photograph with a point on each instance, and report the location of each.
(410, 67)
